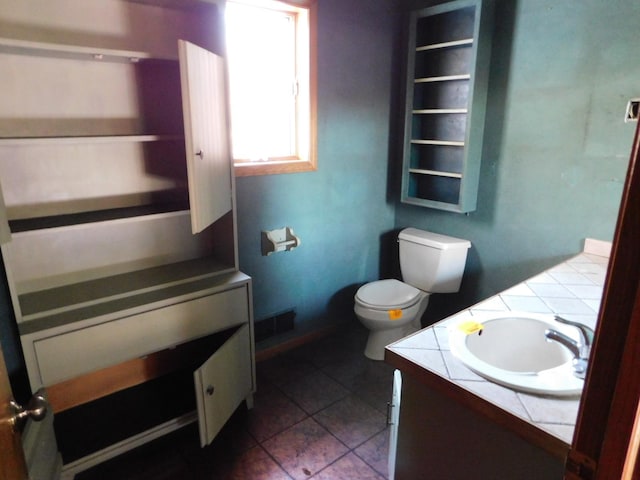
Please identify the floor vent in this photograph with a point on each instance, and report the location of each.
(273, 325)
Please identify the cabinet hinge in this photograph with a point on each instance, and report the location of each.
(579, 466)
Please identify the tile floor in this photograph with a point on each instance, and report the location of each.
(320, 412)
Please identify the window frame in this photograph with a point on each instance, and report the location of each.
(305, 160)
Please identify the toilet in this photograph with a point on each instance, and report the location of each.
(391, 309)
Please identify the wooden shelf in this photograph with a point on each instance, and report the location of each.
(437, 46)
(75, 52)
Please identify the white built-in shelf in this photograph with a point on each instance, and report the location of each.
(75, 52)
(60, 305)
(429, 111)
(437, 46)
(447, 143)
(437, 173)
(31, 141)
(443, 78)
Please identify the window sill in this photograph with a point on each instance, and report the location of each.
(273, 167)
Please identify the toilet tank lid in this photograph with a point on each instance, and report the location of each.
(435, 240)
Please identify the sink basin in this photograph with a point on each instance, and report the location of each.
(511, 349)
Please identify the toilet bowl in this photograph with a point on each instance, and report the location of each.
(390, 309)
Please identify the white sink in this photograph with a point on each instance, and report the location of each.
(511, 349)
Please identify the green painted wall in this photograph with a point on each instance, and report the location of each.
(556, 147)
(340, 211)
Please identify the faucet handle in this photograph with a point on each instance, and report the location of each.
(586, 333)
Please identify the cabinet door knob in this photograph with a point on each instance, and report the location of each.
(210, 390)
(200, 154)
(36, 410)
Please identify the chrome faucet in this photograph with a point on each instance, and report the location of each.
(580, 349)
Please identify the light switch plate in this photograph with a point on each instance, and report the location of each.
(633, 110)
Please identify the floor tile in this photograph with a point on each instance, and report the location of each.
(314, 392)
(346, 370)
(348, 467)
(351, 420)
(374, 385)
(280, 370)
(272, 413)
(375, 452)
(255, 464)
(336, 347)
(304, 449)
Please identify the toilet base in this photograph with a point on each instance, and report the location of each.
(378, 339)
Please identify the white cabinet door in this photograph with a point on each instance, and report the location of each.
(204, 105)
(394, 420)
(222, 383)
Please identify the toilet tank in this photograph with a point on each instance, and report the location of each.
(432, 262)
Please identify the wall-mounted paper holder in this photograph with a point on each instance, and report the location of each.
(280, 240)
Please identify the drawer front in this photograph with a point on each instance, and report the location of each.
(74, 353)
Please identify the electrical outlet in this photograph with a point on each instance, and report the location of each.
(633, 110)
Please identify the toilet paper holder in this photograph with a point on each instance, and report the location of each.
(279, 240)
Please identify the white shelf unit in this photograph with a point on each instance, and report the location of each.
(447, 70)
(112, 257)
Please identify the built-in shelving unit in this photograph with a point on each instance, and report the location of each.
(121, 210)
(445, 104)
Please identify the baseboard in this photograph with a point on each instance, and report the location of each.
(285, 346)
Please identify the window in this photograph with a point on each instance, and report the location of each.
(271, 61)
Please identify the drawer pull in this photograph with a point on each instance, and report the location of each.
(210, 390)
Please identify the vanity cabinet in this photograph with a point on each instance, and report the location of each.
(438, 437)
(119, 196)
(446, 90)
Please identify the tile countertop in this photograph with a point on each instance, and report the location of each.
(572, 289)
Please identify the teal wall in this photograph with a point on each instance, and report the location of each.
(556, 147)
(341, 210)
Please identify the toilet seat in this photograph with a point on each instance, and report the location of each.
(387, 294)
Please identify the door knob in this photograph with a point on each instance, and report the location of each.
(200, 154)
(36, 409)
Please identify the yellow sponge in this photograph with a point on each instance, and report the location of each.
(470, 327)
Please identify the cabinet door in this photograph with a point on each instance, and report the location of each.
(222, 382)
(394, 420)
(204, 105)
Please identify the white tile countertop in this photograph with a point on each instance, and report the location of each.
(572, 289)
